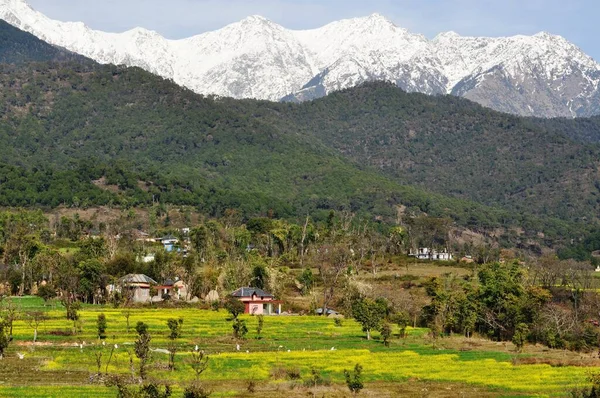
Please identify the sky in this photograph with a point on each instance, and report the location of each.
(576, 20)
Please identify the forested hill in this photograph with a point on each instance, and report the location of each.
(17, 46)
(139, 138)
(64, 125)
(455, 147)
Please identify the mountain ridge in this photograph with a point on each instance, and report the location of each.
(541, 75)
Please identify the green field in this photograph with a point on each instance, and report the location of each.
(59, 364)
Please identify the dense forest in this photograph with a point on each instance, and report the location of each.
(83, 134)
(455, 147)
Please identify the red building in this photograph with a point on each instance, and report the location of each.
(257, 301)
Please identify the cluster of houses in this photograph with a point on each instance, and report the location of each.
(143, 289)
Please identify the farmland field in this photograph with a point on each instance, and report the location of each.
(60, 364)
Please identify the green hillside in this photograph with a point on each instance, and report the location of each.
(82, 134)
(151, 138)
(455, 147)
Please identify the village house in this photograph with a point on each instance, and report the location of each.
(169, 242)
(137, 286)
(425, 253)
(174, 289)
(257, 301)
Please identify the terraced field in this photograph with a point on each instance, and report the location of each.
(61, 364)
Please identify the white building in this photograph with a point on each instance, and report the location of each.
(425, 253)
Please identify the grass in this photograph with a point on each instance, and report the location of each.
(62, 364)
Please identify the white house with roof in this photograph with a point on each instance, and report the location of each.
(425, 253)
(138, 285)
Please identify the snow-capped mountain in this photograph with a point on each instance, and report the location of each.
(541, 75)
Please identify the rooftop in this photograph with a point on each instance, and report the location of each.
(137, 278)
(250, 291)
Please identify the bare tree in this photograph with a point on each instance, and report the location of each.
(302, 251)
(332, 263)
(34, 320)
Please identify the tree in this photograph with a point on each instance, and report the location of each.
(34, 320)
(520, 336)
(142, 347)
(239, 328)
(402, 319)
(4, 337)
(101, 326)
(46, 292)
(200, 240)
(234, 306)
(386, 333)
(141, 328)
(72, 306)
(259, 276)
(332, 263)
(199, 363)
(354, 379)
(8, 316)
(307, 281)
(175, 329)
(369, 313)
(90, 273)
(259, 325)
(127, 314)
(19, 251)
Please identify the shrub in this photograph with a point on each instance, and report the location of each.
(101, 325)
(239, 329)
(175, 326)
(196, 390)
(4, 338)
(259, 325)
(386, 333)
(46, 292)
(354, 379)
(316, 379)
(281, 372)
(251, 386)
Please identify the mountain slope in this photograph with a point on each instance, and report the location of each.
(542, 75)
(156, 141)
(456, 147)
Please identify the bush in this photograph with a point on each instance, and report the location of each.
(239, 329)
(316, 379)
(101, 324)
(281, 372)
(175, 327)
(251, 386)
(46, 292)
(354, 379)
(386, 333)
(196, 390)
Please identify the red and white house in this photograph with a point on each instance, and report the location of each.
(257, 301)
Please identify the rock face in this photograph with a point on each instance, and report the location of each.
(540, 75)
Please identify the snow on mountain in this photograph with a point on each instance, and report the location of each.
(541, 75)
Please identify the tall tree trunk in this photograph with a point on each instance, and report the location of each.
(302, 242)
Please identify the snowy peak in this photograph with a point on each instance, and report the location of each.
(541, 75)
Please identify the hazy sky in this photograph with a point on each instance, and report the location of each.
(576, 20)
